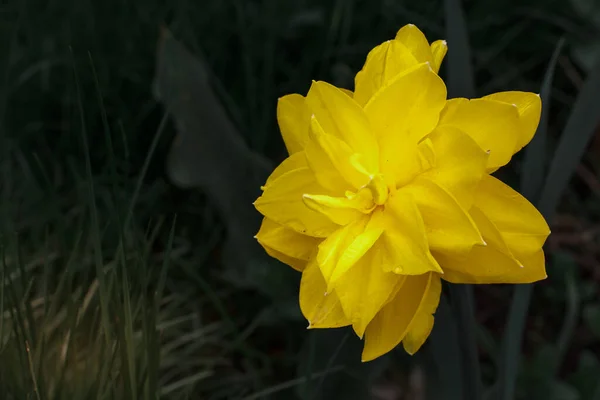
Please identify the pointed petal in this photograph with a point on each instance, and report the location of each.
(295, 263)
(489, 265)
(439, 48)
(344, 248)
(282, 203)
(341, 116)
(492, 124)
(459, 163)
(330, 158)
(295, 161)
(404, 245)
(384, 63)
(416, 42)
(449, 227)
(422, 324)
(521, 224)
(337, 209)
(349, 93)
(365, 288)
(394, 321)
(529, 106)
(489, 231)
(401, 115)
(293, 116)
(321, 309)
(358, 247)
(285, 244)
(494, 263)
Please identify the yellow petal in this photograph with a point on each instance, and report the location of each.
(439, 48)
(338, 209)
(295, 161)
(341, 116)
(404, 245)
(391, 325)
(459, 163)
(293, 116)
(522, 226)
(492, 124)
(401, 115)
(347, 92)
(490, 233)
(282, 203)
(422, 324)
(383, 64)
(295, 263)
(285, 244)
(364, 289)
(490, 265)
(416, 42)
(530, 109)
(449, 227)
(321, 309)
(344, 248)
(427, 154)
(494, 263)
(331, 159)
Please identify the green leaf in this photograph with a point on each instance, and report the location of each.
(591, 317)
(331, 350)
(575, 137)
(461, 80)
(585, 377)
(530, 183)
(209, 153)
(534, 165)
(440, 353)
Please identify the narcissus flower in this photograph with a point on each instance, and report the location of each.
(387, 190)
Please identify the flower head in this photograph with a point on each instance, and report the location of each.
(387, 190)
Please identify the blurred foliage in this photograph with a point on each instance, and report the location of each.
(118, 280)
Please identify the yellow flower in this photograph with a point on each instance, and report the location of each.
(387, 190)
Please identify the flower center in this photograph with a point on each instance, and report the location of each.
(379, 189)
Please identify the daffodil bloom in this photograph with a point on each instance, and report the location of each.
(387, 190)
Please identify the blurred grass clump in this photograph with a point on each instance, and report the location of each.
(120, 278)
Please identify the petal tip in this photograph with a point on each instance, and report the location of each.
(410, 353)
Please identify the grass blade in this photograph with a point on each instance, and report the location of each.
(463, 304)
(461, 83)
(532, 176)
(578, 131)
(574, 139)
(439, 357)
(98, 256)
(460, 80)
(292, 383)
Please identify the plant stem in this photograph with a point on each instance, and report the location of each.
(463, 305)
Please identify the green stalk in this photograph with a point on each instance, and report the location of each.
(464, 309)
(531, 183)
(461, 83)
